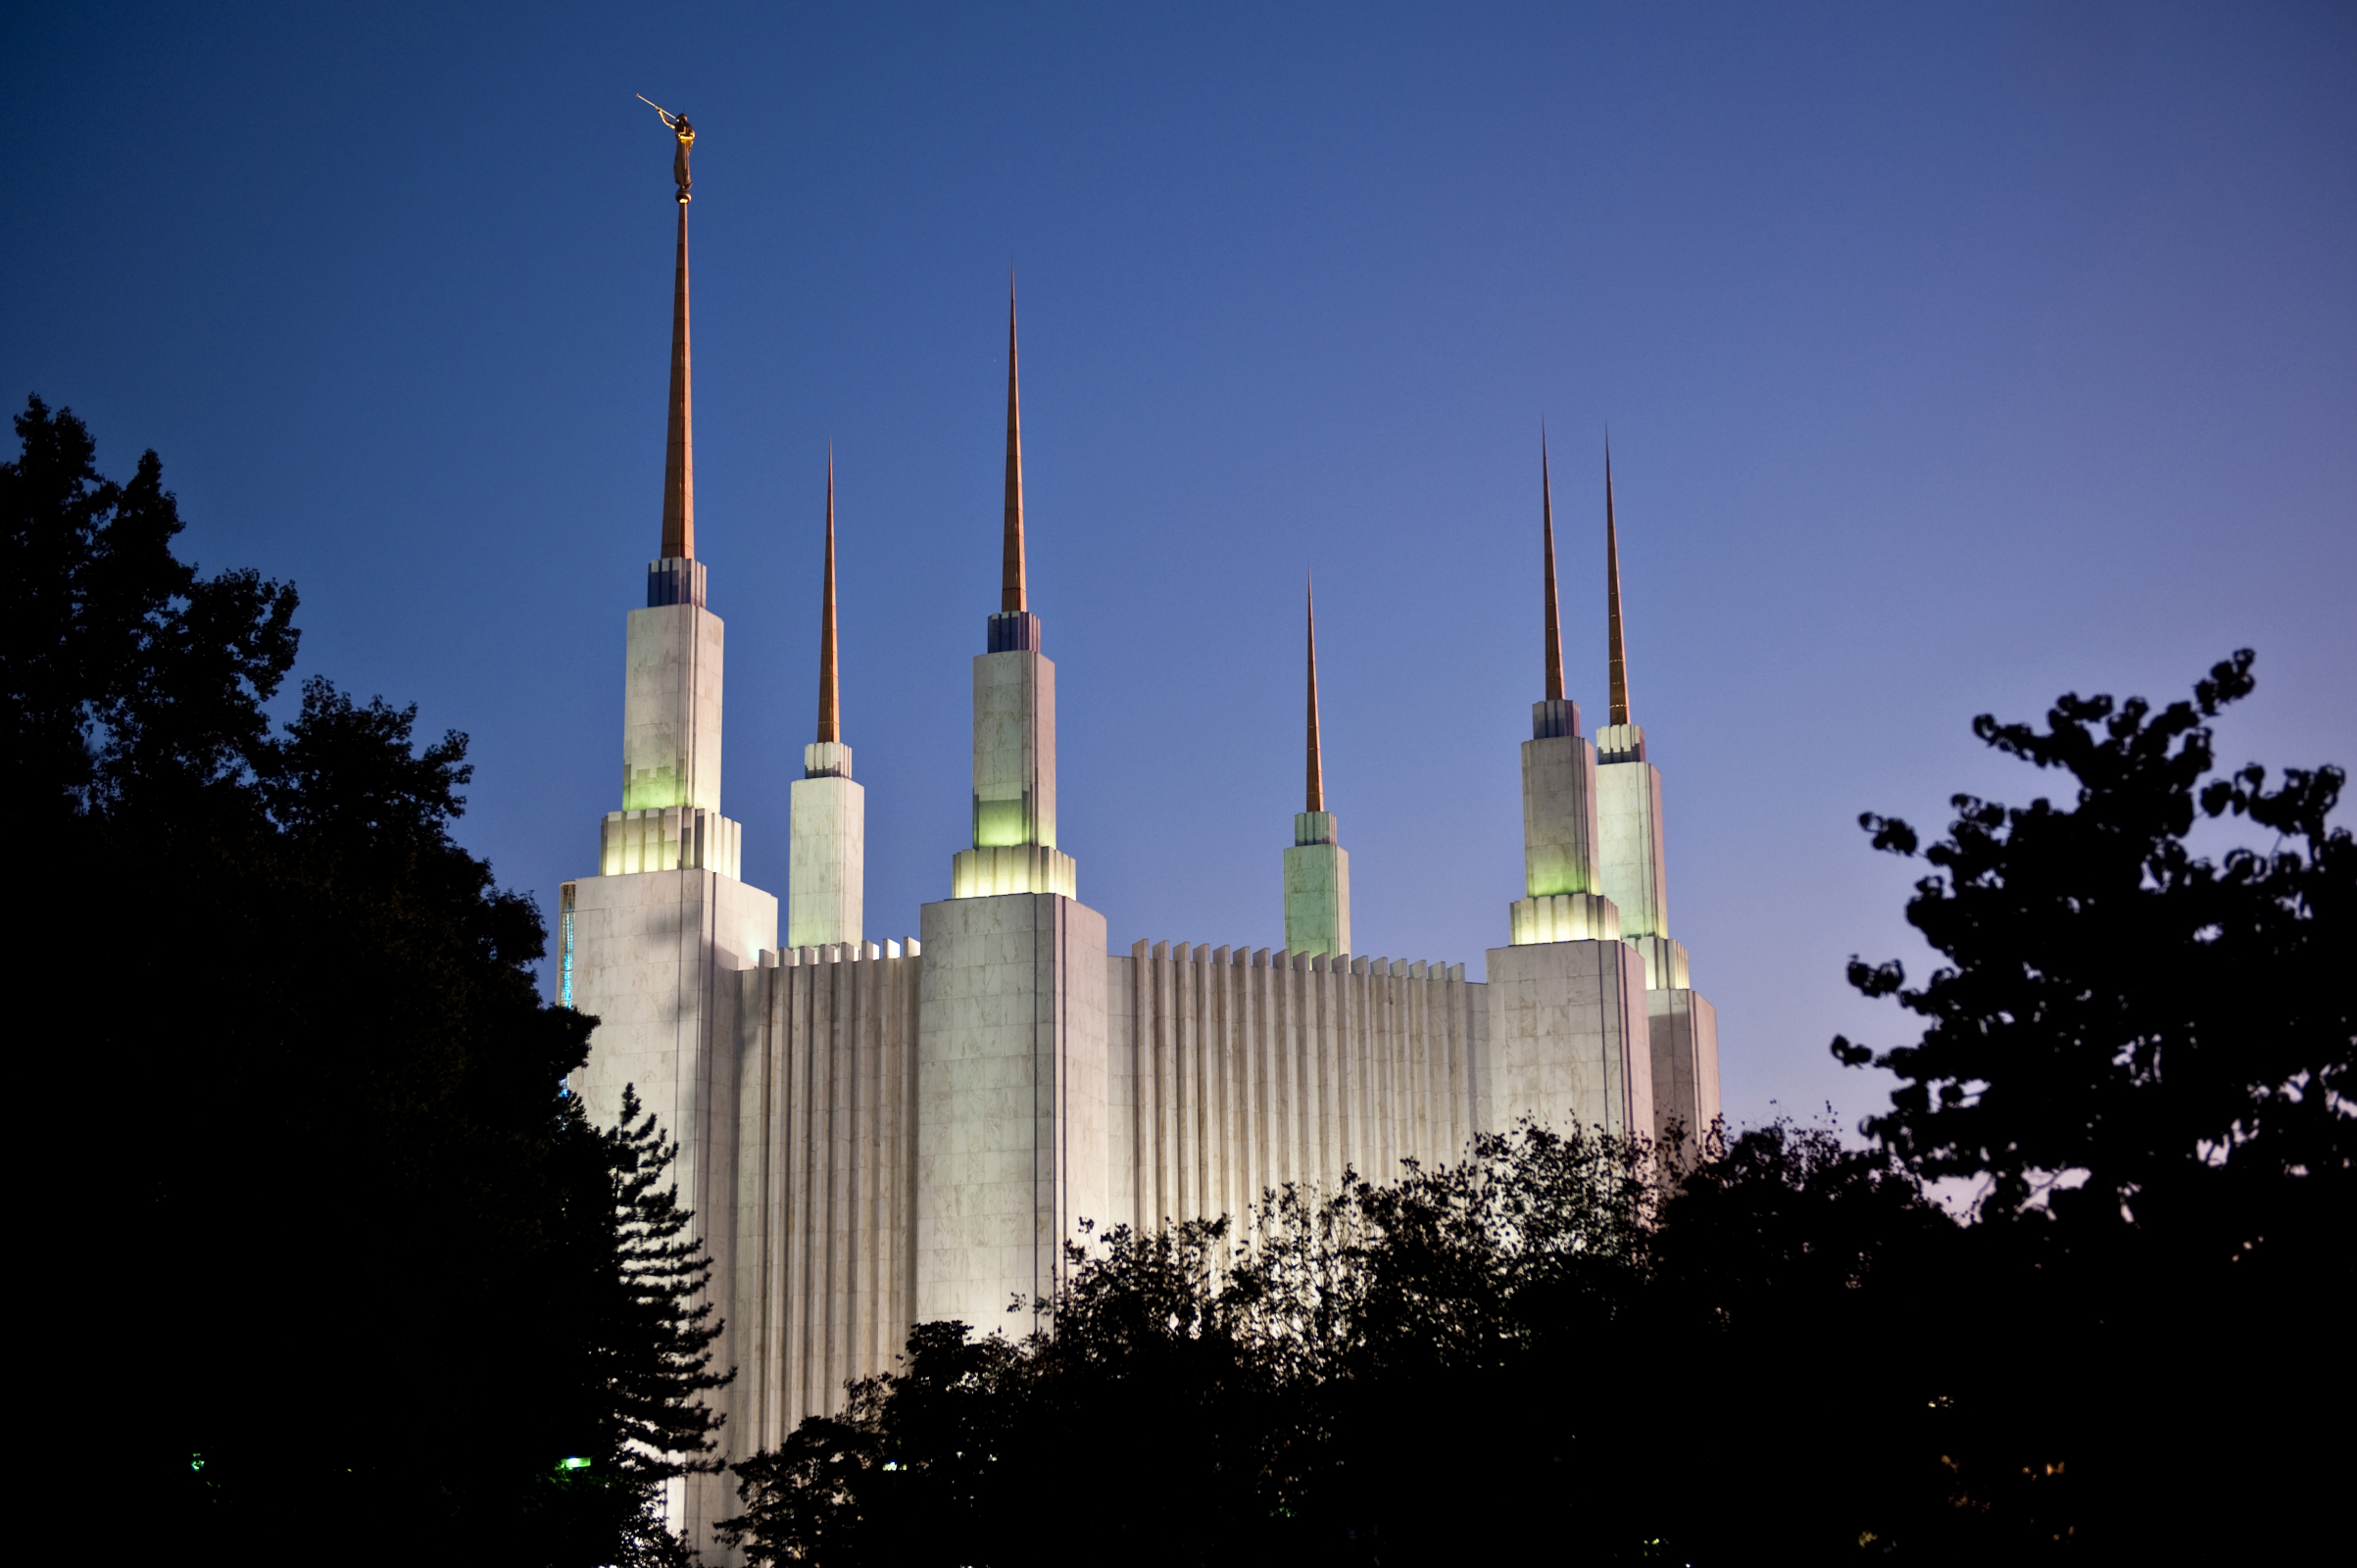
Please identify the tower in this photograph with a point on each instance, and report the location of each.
(1567, 998)
(1560, 899)
(1014, 717)
(1317, 868)
(1633, 871)
(1632, 866)
(656, 943)
(1011, 1065)
(826, 882)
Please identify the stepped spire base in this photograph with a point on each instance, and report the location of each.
(1562, 918)
(1013, 869)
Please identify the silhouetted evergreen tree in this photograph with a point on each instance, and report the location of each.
(635, 1327)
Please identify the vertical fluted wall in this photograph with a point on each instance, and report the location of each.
(1236, 1073)
(826, 1250)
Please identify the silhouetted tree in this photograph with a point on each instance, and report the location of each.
(120, 665)
(2127, 1033)
(360, 1276)
(1373, 1373)
(631, 1328)
(2142, 1060)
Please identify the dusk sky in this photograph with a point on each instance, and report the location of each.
(1954, 357)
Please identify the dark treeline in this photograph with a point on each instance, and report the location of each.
(2136, 1070)
(350, 1277)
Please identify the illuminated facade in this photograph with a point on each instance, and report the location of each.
(876, 1135)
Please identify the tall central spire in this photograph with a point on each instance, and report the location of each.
(1617, 653)
(679, 450)
(1010, 570)
(1554, 619)
(830, 723)
(1318, 771)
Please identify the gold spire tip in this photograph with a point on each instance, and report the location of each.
(1012, 587)
(1553, 636)
(1616, 655)
(830, 717)
(1318, 771)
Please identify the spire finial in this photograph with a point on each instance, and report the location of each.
(1554, 619)
(1318, 771)
(679, 450)
(830, 721)
(1617, 653)
(1011, 568)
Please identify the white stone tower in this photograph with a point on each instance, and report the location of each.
(825, 883)
(1011, 1066)
(1560, 901)
(1633, 871)
(1567, 1000)
(1317, 868)
(654, 943)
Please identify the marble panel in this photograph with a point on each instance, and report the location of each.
(672, 709)
(826, 880)
(1015, 749)
(1632, 870)
(1569, 1041)
(1558, 816)
(1685, 1034)
(1012, 1122)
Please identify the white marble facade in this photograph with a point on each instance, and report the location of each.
(827, 856)
(874, 1136)
(877, 1135)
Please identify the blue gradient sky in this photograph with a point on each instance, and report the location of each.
(1954, 357)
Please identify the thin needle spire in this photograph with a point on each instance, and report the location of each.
(680, 448)
(1617, 653)
(1010, 574)
(830, 721)
(1317, 772)
(1554, 619)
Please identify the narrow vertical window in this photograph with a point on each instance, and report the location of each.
(564, 946)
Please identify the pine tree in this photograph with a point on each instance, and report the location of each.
(639, 1359)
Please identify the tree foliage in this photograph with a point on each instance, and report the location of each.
(649, 1332)
(2140, 1059)
(361, 1273)
(1500, 1353)
(2126, 1033)
(120, 665)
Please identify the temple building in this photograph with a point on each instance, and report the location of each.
(875, 1135)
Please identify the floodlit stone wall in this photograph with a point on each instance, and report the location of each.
(826, 850)
(1011, 1100)
(825, 1184)
(672, 709)
(1569, 1041)
(1632, 866)
(1236, 1072)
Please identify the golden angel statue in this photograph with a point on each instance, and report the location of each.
(686, 133)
